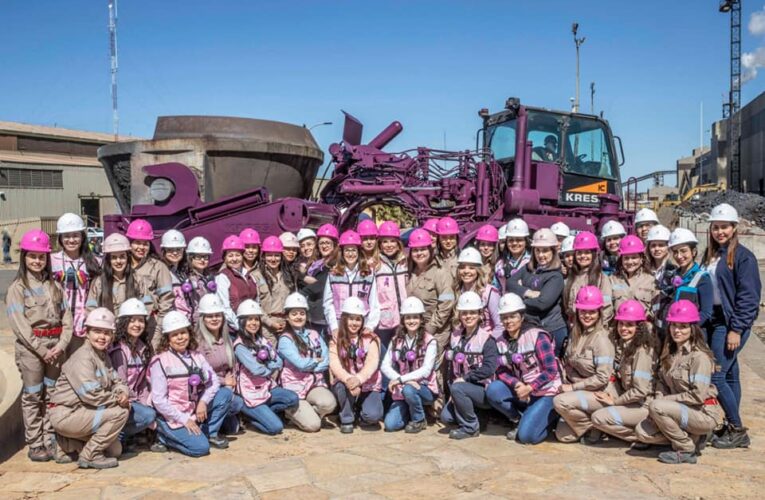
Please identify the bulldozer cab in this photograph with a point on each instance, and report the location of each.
(579, 147)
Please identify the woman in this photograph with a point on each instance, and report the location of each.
(275, 283)
(200, 280)
(611, 234)
(567, 255)
(251, 241)
(152, 275)
(74, 267)
(90, 403)
(350, 277)
(183, 390)
(316, 276)
(42, 324)
(658, 252)
(431, 226)
(354, 360)
(470, 277)
(486, 239)
(368, 232)
(448, 232)
(473, 356)
(691, 281)
(306, 359)
(308, 254)
(561, 231)
(234, 283)
(685, 407)
(587, 272)
(117, 282)
(130, 356)
(528, 375)
(215, 344)
(433, 286)
(645, 220)
(737, 289)
(540, 284)
(631, 278)
(173, 246)
(390, 280)
(637, 352)
(588, 365)
(257, 396)
(290, 251)
(516, 255)
(409, 365)
(502, 244)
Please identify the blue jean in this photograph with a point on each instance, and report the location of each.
(182, 440)
(140, 418)
(370, 403)
(536, 416)
(726, 379)
(264, 416)
(460, 409)
(409, 408)
(559, 336)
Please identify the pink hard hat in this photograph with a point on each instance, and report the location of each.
(631, 245)
(447, 227)
(349, 238)
(35, 240)
(588, 298)
(420, 238)
(683, 311)
(586, 241)
(141, 230)
(367, 227)
(431, 225)
(232, 242)
(630, 310)
(249, 236)
(487, 233)
(389, 229)
(328, 231)
(272, 244)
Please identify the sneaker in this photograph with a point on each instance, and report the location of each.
(101, 462)
(677, 457)
(511, 434)
(346, 428)
(734, 437)
(39, 454)
(460, 434)
(415, 427)
(218, 441)
(158, 447)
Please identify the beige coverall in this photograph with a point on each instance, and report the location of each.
(84, 412)
(119, 294)
(635, 381)
(642, 286)
(29, 310)
(154, 279)
(685, 406)
(449, 263)
(272, 301)
(579, 281)
(588, 364)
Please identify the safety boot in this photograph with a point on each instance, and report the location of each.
(734, 437)
(98, 462)
(677, 457)
(39, 454)
(415, 427)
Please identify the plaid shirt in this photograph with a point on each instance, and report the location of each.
(548, 366)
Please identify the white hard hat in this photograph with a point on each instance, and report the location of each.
(612, 228)
(412, 305)
(723, 213)
(174, 320)
(289, 240)
(544, 238)
(646, 215)
(210, 304)
(132, 307)
(567, 245)
(69, 223)
(470, 256)
(682, 236)
(510, 303)
(100, 317)
(353, 305)
(304, 234)
(658, 233)
(560, 229)
(249, 308)
(295, 301)
(199, 245)
(173, 239)
(469, 301)
(503, 232)
(517, 228)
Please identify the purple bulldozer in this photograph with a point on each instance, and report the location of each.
(213, 176)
